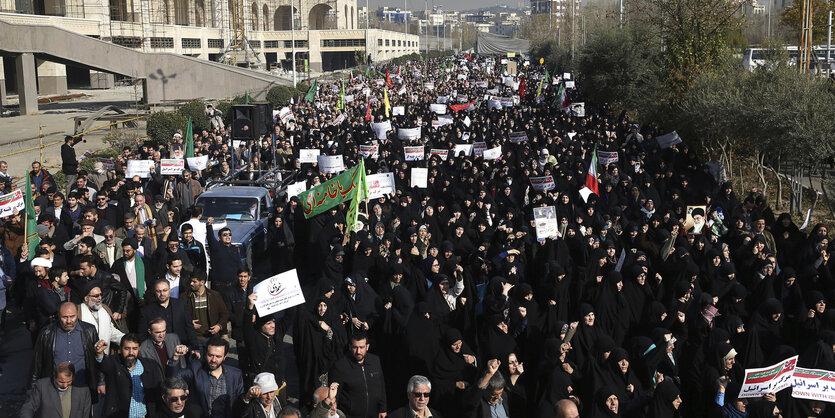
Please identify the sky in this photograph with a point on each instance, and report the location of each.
(448, 4)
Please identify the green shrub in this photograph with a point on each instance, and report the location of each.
(195, 109)
(280, 95)
(162, 125)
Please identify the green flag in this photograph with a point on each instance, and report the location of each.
(311, 92)
(341, 103)
(189, 140)
(546, 76)
(333, 192)
(360, 195)
(31, 223)
(246, 98)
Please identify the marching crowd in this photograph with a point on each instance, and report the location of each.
(442, 300)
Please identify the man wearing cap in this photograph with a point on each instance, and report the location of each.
(98, 176)
(51, 292)
(263, 391)
(99, 315)
(87, 227)
(226, 257)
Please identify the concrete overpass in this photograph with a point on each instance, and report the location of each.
(165, 76)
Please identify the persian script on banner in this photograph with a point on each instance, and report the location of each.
(517, 137)
(772, 379)
(413, 153)
(443, 154)
(380, 185)
(278, 293)
(370, 151)
(330, 163)
(173, 167)
(544, 183)
(309, 155)
(12, 202)
(408, 133)
(606, 157)
(813, 384)
(545, 220)
(479, 148)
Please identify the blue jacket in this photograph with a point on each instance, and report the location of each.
(197, 377)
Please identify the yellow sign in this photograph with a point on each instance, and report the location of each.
(541, 61)
(511, 55)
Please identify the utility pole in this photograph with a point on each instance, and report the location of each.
(573, 28)
(405, 22)
(621, 14)
(293, 39)
(829, 45)
(426, 28)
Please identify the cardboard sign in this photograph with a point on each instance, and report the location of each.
(309, 155)
(381, 128)
(442, 153)
(339, 120)
(414, 153)
(492, 153)
(481, 84)
(465, 149)
(518, 137)
(765, 380)
(813, 384)
(370, 151)
(141, 168)
(668, 140)
(402, 91)
(606, 157)
(408, 133)
(545, 220)
(398, 111)
(198, 163)
(278, 293)
(479, 148)
(380, 185)
(9, 203)
(172, 167)
(419, 177)
(467, 121)
(445, 120)
(348, 98)
(438, 108)
(544, 183)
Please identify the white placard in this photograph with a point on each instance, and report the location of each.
(437, 108)
(566, 76)
(481, 84)
(309, 155)
(467, 149)
(442, 99)
(571, 135)
(607, 157)
(285, 114)
(414, 153)
(668, 140)
(398, 111)
(813, 384)
(585, 192)
(348, 98)
(141, 168)
(408, 133)
(419, 177)
(12, 202)
(518, 137)
(507, 101)
(443, 154)
(467, 121)
(765, 380)
(493, 153)
(296, 188)
(429, 86)
(402, 91)
(479, 148)
(278, 293)
(381, 128)
(380, 185)
(173, 167)
(370, 151)
(544, 183)
(445, 120)
(494, 104)
(545, 219)
(569, 84)
(330, 163)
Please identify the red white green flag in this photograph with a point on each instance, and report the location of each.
(591, 177)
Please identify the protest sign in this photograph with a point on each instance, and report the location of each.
(578, 109)
(398, 111)
(437, 108)
(414, 153)
(309, 155)
(467, 121)
(481, 84)
(330, 163)
(492, 153)
(445, 120)
(380, 184)
(443, 154)
(172, 166)
(419, 177)
(479, 148)
(429, 86)
(348, 98)
(668, 140)
(494, 104)
(9, 203)
(507, 101)
(765, 380)
(546, 222)
(198, 163)
(278, 293)
(408, 133)
(285, 114)
(296, 188)
(340, 119)
(813, 384)
(466, 149)
(381, 128)
(569, 84)
(442, 99)
(543, 183)
(141, 168)
(517, 137)
(402, 91)
(370, 151)
(108, 163)
(606, 157)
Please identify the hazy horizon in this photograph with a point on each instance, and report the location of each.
(448, 5)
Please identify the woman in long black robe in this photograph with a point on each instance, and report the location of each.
(454, 368)
(316, 348)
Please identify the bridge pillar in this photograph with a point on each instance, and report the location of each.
(27, 83)
(100, 80)
(52, 78)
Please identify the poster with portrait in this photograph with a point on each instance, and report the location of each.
(696, 220)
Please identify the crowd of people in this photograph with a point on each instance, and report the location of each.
(442, 300)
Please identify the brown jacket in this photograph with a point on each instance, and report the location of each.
(13, 237)
(218, 314)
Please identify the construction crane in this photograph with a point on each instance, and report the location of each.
(239, 48)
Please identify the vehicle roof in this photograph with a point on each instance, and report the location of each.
(235, 191)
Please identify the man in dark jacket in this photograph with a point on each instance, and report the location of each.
(174, 311)
(175, 402)
(488, 397)
(222, 275)
(203, 376)
(69, 163)
(236, 303)
(120, 379)
(361, 382)
(52, 346)
(45, 401)
(418, 391)
(207, 308)
(264, 341)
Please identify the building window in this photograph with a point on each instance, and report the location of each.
(191, 42)
(128, 41)
(341, 43)
(162, 42)
(379, 42)
(388, 43)
(270, 44)
(215, 43)
(255, 44)
(299, 44)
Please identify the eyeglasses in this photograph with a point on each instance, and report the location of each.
(181, 398)
(226, 234)
(421, 394)
(108, 236)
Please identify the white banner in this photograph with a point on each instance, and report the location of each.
(429, 86)
(348, 98)
(108, 163)
(493, 153)
(285, 114)
(569, 84)
(668, 140)
(517, 137)
(414, 153)
(445, 120)
(172, 167)
(398, 110)
(543, 183)
(12, 202)
(481, 84)
(813, 384)
(370, 151)
(141, 168)
(765, 380)
(198, 163)
(419, 177)
(494, 104)
(467, 149)
(438, 108)
(402, 91)
(479, 148)
(309, 155)
(381, 128)
(442, 99)
(467, 121)
(296, 188)
(442, 153)
(607, 157)
(546, 222)
(278, 293)
(380, 184)
(340, 119)
(408, 133)
(507, 102)
(330, 163)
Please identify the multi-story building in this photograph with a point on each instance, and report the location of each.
(394, 15)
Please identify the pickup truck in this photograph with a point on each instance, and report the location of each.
(244, 210)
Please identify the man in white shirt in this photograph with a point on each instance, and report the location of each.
(97, 314)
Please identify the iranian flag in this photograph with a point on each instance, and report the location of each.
(591, 177)
(561, 100)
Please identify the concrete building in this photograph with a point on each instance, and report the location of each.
(327, 37)
(560, 9)
(389, 14)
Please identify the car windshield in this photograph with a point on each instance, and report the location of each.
(229, 208)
